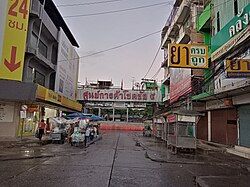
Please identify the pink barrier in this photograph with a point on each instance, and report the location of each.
(126, 127)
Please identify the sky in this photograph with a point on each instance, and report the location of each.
(96, 33)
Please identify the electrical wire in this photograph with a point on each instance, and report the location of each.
(115, 47)
(210, 80)
(89, 3)
(155, 75)
(152, 63)
(122, 45)
(118, 11)
(172, 27)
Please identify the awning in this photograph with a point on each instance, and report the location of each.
(188, 113)
(29, 92)
(201, 96)
(47, 95)
(17, 91)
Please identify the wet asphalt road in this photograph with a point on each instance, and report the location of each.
(113, 161)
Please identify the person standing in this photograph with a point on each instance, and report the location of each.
(41, 128)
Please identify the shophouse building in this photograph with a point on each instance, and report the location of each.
(180, 83)
(39, 66)
(226, 89)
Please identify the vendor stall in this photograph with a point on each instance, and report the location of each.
(158, 127)
(181, 131)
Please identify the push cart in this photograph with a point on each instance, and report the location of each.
(181, 132)
(58, 133)
(58, 137)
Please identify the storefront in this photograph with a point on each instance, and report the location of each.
(243, 112)
(222, 122)
(244, 125)
(40, 103)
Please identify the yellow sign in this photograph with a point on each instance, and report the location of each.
(14, 40)
(188, 56)
(71, 104)
(49, 95)
(53, 97)
(238, 65)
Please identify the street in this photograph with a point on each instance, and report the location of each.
(121, 159)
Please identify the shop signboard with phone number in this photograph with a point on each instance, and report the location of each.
(14, 24)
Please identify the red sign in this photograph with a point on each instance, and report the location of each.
(171, 118)
(12, 65)
(180, 83)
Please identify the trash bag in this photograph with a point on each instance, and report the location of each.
(37, 134)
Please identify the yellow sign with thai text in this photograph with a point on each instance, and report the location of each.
(238, 65)
(53, 97)
(188, 56)
(14, 39)
(45, 94)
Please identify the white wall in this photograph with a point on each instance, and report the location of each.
(8, 129)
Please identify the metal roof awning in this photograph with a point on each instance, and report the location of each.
(188, 112)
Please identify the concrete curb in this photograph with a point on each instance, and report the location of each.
(32, 143)
(26, 158)
(152, 158)
(11, 157)
(147, 155)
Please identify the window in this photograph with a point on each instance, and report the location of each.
(43, 48)
(236, 7)
(218, 21)
(39, 78)
(30, 74)
(33, 40)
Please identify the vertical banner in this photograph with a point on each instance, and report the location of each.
(13, 43)
(180, 83)
(67, 68)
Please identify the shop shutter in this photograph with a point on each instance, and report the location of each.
(244, 124)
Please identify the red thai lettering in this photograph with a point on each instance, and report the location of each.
(152, 96)
(111, 95)
(134, 96)
(129, 96)
(116, 95)
(85, 95)
(106, 95)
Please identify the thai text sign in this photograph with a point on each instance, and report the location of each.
(188, 56)
(118, 95)
(238, 67)
(14, 32)
(53, 97)
(235, 26)
(234, 41)
(171, 118)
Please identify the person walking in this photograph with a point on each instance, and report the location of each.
(87, 134)
(48, 128)
(41, 128)
(92, 133)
